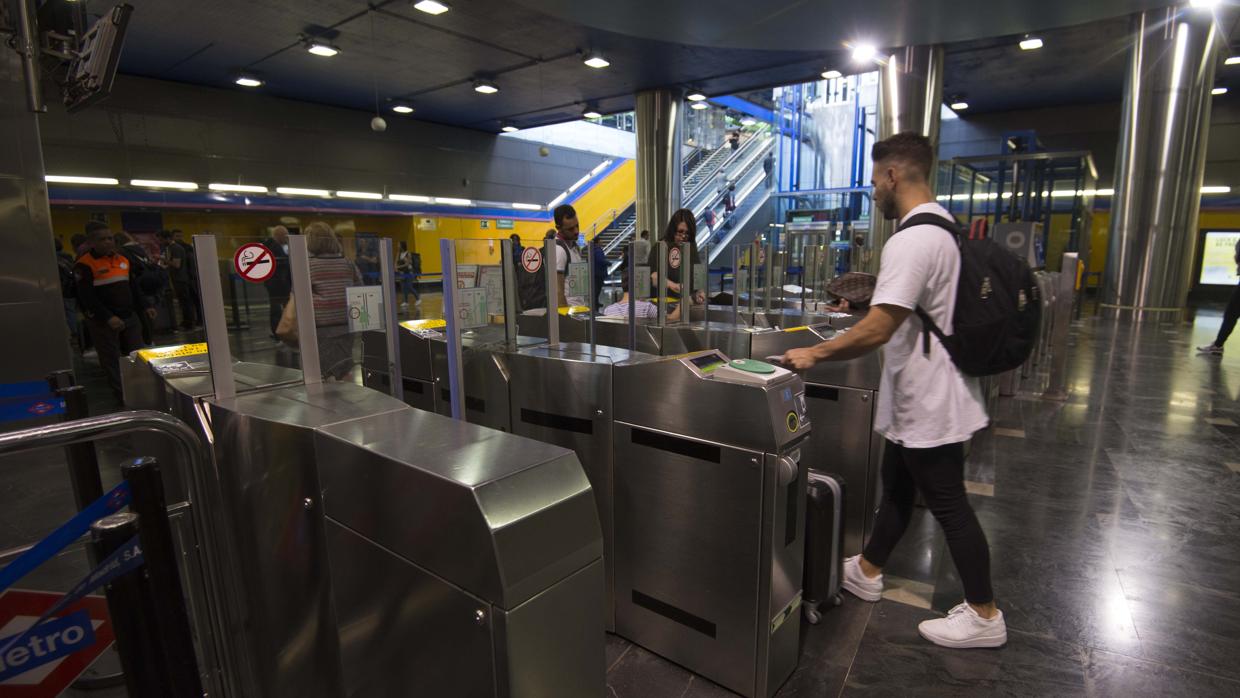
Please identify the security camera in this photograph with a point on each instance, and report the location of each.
(378, 125)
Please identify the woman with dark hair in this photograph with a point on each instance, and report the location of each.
(681, 228)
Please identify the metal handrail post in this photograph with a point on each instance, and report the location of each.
(206, 510)
(387, 272)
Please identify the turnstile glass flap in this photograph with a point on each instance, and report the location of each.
(705, 395)
(499, 515)
(863, 372)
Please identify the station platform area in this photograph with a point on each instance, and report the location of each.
(1114, 527)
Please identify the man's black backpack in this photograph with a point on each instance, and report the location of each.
(998, 306)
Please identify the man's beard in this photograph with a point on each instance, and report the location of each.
(888, 207)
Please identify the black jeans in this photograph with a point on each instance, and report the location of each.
(1229, 318)
(939, 474)
(275, 307)
(188, 301)
(110, 344)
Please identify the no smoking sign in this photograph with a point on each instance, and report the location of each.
(254, 263)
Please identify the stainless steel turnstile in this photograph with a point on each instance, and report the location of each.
(386, 551)
(563, 395)
(709, 516)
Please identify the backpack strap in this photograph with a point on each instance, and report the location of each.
(952, 226)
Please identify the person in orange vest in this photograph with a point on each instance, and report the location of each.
(109, 298)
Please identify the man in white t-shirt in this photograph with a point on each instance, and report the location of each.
(566, 230)
(927, 409)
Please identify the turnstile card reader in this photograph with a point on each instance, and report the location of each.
(709, 516)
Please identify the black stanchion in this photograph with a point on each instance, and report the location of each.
(170, 616)
(59, 379)
(129, 612)
(83, 463)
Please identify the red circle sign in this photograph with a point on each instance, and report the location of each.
(673, 258)
(254, 262)
(531, 260)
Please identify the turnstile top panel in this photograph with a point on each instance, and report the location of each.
(192, 376)
(863, 372)
(578, 351)
(312, 406)
(502, 516)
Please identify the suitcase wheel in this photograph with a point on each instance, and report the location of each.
(812, 616)
(837, 600)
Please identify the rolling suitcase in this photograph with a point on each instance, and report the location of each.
(824, 543)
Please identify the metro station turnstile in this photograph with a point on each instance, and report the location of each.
(709, 516)
(388, 551)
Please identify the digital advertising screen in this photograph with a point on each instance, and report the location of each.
(1218, 258)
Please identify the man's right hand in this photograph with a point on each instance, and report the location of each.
(116, 323)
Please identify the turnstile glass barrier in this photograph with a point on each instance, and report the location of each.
(710, 486)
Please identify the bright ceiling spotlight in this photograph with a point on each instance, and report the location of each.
(431, 7)
(595, 60)
(247, 80)
(699, 105)
(485, 87)
(748, 121)
(864, 52)
(1203, 4)
(591, 114)
(1233, 60)
(402, 108)
(321, 48)
(74, 179)
(509, 128)
(1219, 91)
(1030, 43)
(959, 106)
(695, 97)
(831, 74)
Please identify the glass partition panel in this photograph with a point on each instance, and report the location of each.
(356, 309)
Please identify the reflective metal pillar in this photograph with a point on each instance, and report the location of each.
(30, 301)
(659, 117)
(1160, 164)
(909, 99)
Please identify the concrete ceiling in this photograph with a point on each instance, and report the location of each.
(532, 50)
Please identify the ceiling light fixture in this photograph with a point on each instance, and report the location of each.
(528, 207)
(431, 7)
(591, 114)
(162, 184)
(831, 74)
(1203, 4)
(1105, 192)
(402, 108)
(247, 188)
(373, 196)
(509, 128)
(301, 191)
(70, 179)
(321, 48)
(959, 106)
(1030, 43)
(695, 97)
(595, 60)
(1216, 190)
(453, 202)
(864, 52)
(699, 105)
(1233, 60)
(485, 87)
(748, 121)
(247, 80)
(414, 198)
(1219, 91)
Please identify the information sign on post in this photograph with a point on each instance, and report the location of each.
(466, 275)
(577, 283)
(471, 307)
(491, 279)
(365, 305)
(642, 292)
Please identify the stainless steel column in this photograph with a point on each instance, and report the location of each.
(1161, 161)
(910, 98)
(30, 302)
(659, 176)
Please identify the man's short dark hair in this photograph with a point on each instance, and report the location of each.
(564, 211)
(910, 148)
(645, 234)
(93, 227)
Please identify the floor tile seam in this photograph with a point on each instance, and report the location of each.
(628, 646)
(852, 661)
(1186, 668)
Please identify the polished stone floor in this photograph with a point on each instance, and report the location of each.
(1114, 525)
(1113, 519)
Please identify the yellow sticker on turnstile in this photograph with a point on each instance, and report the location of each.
(172, 351)
(797, 329)
(566, 310)
(425, 324)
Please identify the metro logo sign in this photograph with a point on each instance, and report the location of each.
(58, 651)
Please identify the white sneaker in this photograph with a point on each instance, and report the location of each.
(859, 585)
(1210, 349)
(404, 307)
(963, 628)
